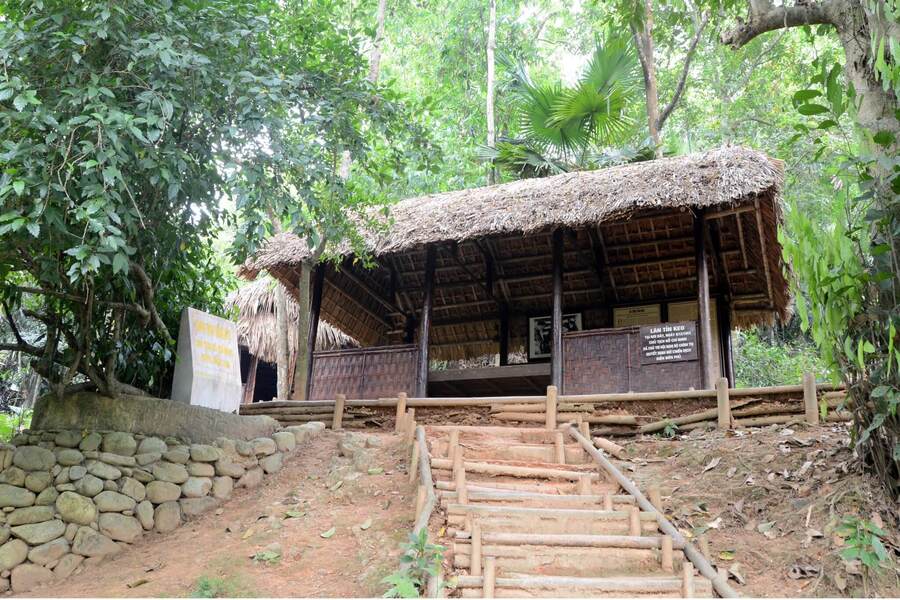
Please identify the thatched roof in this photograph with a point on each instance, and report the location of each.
(629, 241)
(256, 322)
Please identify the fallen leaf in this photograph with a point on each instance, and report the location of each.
(735, 572)
(839, 581)
(366, 524)
(293, 514)
(336, 486)
(727, 554)
(712, 464)
(155, 567)
(730, 473)
(715, 524)
(137, 583)
(247, 534)
(767, 529)
(328, 534)
(375, 471)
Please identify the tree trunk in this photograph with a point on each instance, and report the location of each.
(491, 44)
(643, 40)
(301, 368)
(281, 323)
(375, 59)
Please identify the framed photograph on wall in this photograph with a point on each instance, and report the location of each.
(539, 330)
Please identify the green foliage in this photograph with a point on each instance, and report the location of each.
(269, 557)
(219, 587)
(758, 362)
(11, 423)
(670, 430)
(421, 560)
(863, 541)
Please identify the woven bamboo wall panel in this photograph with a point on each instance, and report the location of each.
(364, 373)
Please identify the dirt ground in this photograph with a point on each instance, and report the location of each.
(213, 556)
(769, 500)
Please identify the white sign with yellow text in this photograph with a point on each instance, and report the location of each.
(207, 367)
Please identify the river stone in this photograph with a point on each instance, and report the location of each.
(300, 434)
(33, 458)
(110, 486)
(284, 441)
(67, 439)
(71, 530)
(49, 552)
(144, 512)
(67, 565)
(47, 497)
(69, 456)
(12, 553)
(32, 514)
(11, 495)
(251, 479)
(65, 487)
(119, 442)
(196, 487)
(178, 454)
(145, 458)
(38, 481)
(263, 446)
(90, 442)
(109, 501)
(119, 527)
(92, 543)
(152, 445)
(27, 577)
(196, 469)
(89, 486)
(272, 464)
(243, 447)
(167, 516)
(227, 445)
(62, 476)
(205, 453)
(133, 489)
(162, 491)
(191, 507)
(142, 475)
(40, 533)
(75, 508)
(315, 427)
(13, 476)
(117, 459)
(6, 455)
(77, 472)
(4, 533)
(103, 470)
(227, 468)
(172, 472)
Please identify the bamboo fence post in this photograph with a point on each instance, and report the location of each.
(810, 404)
(666, 547)
(475, 568)
(585, 428)
(401, 411)
(552, 397)
(453, 446)
(490, 574)
(414, 463)
(687, 579)
(724, 406)
(584, 486)
(338, 418)
(410, 432)
(559, 447)
(459, 472)
(655, 497)
(420, 499)
(634, 521)
(608, 501)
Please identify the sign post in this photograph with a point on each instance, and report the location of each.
(207, 365)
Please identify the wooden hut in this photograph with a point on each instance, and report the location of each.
(258, 335)
(628, 278)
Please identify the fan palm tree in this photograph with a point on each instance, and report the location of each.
(563, 128)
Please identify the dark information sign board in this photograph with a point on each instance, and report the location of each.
(668, 342)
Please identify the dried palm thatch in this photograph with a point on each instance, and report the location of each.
(257, 330)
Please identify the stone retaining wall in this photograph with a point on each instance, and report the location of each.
(70, 498)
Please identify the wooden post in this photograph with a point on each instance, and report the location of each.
(414, 463)
(401, 412)
(475, 558)
(550, 416)
(687, 579)
(315, 308)
(607, 501)
(459, 472)
(723, 409)
(656, 497)
(585, 428)
(559, 447)
(425, 323)
(409, 432)
(705, 334)
(250, 386)
(666, 561)
(453, 445)
(556, 374)
(724, 318)
(584, 486)
(490, 575)
(338, 418)
(504, 334)
(421, 494)
(810, 403)
(703, 542)
(634, 521)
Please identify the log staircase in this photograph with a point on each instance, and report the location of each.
(529, 513)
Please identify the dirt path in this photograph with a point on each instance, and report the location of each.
(213, 555)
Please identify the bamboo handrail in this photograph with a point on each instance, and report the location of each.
(427, 481)
(692, 554)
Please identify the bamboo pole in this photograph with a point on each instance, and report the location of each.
(414, 463)
(687, 579)
(809, 399)
(551, 407)
(723, 404)
(475, 569)
(666, 551)
(584, 486)
(453, 446)
(572, 540)
(656, 497)
(634, 521)
(514, 470)
(421, 494)
(610, 447)
(459, 472)
(338, 412)
(559, 448)
(401, 412)
(490, 575)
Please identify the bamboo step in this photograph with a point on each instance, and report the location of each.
(536, 500)
(565, 560)
(513, 469)
(548, 586)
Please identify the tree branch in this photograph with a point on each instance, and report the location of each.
(25, 346)
(765, 17)
(679, 89)
(145, 287)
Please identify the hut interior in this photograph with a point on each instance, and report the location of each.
(505, 289)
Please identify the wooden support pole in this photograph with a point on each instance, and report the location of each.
(475, 569)
(634, 521)
(608, 501)
(723, 307)
(655, 497)
(410, 426)
(250, 386)
(504, 334)
(584, 487)
(315, 309)
(609, 447)
(550, 415)
(666, 561)
(585, 428)
(421, 494)
(559, 448)
(810, 405)
(338, 418)
(453, 445)
(425, 323)
(490, 577)
(687, 579)
(401, 412)
(459, 473)
(556, 374)
(723, 411)
(705, 334)
(414, 463)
